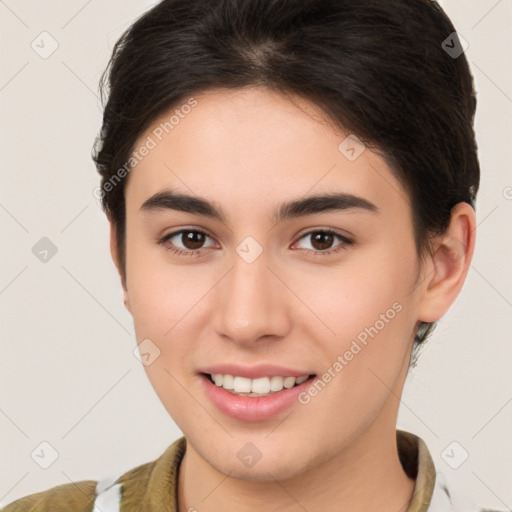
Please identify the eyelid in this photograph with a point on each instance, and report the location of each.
(342, 233)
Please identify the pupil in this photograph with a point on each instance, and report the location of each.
(189, 239)
(318, 238)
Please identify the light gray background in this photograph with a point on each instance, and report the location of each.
(68, 375)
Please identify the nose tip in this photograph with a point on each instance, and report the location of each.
(250, 306)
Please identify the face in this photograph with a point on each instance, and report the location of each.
(250, 288)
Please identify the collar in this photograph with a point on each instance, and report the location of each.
(418, 464)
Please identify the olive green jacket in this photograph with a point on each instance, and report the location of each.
(152, 487)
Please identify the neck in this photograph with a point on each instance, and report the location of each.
(365, 475)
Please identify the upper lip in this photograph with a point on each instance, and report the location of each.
(254, 372)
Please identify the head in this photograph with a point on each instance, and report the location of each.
(251, 108)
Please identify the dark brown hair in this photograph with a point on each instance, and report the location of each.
(382, 70)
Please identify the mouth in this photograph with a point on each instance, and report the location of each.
(253, 399)
(259, 387)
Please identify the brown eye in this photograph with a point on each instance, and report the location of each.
(322, 241)
(185, 241)
(192, 239)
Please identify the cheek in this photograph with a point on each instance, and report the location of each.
(165, 302)
(169, 308)
(160, 294)
(368, 316)
(353, 300)
(363, 362)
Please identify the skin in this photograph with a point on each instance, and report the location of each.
(249, 150)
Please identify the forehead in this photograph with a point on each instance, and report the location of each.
(253, 148)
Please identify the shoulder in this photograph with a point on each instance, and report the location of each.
(435, 490)
(151, 483)
(449, 495)
(77, 496)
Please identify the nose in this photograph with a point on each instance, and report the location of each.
(252, 303)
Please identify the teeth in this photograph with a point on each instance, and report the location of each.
(228, 382)
(276, 383)
(261, 385)
(242, 385)
(256, 387)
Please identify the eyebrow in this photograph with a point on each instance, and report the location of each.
(171, 200)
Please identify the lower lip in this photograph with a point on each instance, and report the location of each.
(246, 408)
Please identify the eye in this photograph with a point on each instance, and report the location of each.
(322, 240)
(191, 239)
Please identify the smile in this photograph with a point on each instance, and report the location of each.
(233, 395)
(263, 386)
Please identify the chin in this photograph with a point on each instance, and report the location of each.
(266, 466)
(261, 472)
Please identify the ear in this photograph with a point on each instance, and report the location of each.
(448, 265)
(117, 263)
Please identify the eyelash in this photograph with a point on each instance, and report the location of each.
(180, 252)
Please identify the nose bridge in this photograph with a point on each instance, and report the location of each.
(252, 305)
